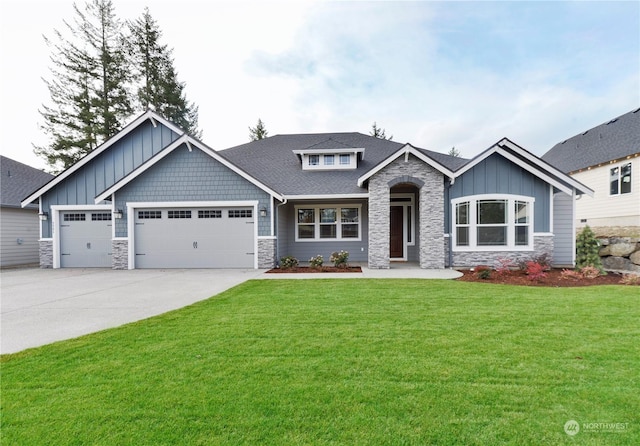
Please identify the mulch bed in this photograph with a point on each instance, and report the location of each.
(310, 270)
(553, 279)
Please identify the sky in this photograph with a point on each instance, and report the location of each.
(435, 74)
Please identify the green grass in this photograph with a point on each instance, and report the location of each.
(349, 362)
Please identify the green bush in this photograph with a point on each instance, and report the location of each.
(587, 248)
(316, 262)
(339, 259)
(288, 262)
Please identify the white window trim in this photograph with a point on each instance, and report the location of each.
(511, 224)
(338, 207)
(619, 166)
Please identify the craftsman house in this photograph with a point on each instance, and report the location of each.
(155, 197)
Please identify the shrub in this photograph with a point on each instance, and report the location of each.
(630, 279)
(288, 262)
(587, 248)
(483, 272)
(504, 266)
(339, 259)
(570, 274)
(316, 262)
(535, 271)
(590, 272)
(544, 260)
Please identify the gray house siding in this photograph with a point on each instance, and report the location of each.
(19, 236)
(497, 175)
(563, 230)
(303, 251)
(107, 168)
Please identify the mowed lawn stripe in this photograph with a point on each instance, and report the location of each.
(342, 362)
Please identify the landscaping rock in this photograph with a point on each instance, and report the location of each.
(622, 249)
(605, 251)
(619, 264)
(635, 258)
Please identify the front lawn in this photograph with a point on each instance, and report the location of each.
(343, 362)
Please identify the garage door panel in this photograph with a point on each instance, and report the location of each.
(85, 239)
(195, 238)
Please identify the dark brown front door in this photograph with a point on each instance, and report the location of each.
(396, 243)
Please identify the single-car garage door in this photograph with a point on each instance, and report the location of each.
(194, 238)
(85, 239)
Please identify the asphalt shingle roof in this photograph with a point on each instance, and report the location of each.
(611, 140)
(18, 181)
(272, 161)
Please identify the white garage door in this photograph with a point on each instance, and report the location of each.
(85, 239)
(194, 238)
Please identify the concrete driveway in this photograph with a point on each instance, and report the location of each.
(40, 306)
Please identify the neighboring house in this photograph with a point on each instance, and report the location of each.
(606, 159)
(19, 231)
(154, 197)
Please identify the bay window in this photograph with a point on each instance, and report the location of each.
(327, 222)
(492, 222)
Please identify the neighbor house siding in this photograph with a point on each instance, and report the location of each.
(107, 168)
(185, 175)
(303, 251)
(497, 175)
(20, 234)
(604, 209)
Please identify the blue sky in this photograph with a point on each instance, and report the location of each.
(436, 74)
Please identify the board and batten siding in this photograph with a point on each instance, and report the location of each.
(303, 251)
(563, 230)
(185, 175)
(497, 175)
(19, 236)
(604, 209)
(102, 172)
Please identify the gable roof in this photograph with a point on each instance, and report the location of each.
(282, 171)
(612, 140)
(148, 115)
(18, 180)
(190, 142)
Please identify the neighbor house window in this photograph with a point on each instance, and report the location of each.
(492, 223)
(620, 180)
(327, 223)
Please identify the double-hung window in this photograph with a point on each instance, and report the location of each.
(328, 222)
(620, 179)
(492, 222)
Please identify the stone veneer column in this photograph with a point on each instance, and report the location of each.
(432, 221)
(45, 248)
(266, 253)
(120, 254)
(379, 214)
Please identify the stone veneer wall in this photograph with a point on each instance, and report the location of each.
(542, 244)
(45, 249)
(120, 254)
(266, 253)
(431, 218)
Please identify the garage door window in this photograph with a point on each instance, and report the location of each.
(240, 213)
(179, 214)
(74, 217)
(149, 215)
(210, 214)
(101, 216)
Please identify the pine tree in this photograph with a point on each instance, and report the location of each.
(378, 132)
(258, 132)
(89, 86)
(454, 152)
(156, 77)
(587, 250)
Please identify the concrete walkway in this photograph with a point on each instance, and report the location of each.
(41, 306)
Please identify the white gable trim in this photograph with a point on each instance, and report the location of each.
(149, 114)
(190, 143)
(405, 150)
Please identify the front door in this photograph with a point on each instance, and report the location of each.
(396, 242)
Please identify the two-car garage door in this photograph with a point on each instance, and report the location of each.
(194, 237)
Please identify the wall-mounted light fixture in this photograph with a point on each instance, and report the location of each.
(117, 213)
(263, 211)
(44, 216)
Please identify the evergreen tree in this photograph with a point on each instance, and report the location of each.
(89, 87)
(157, 82)
(587, 250)
(454, 152)
(378, 132)
(258, 132)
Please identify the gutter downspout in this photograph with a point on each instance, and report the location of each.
(451, 181)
